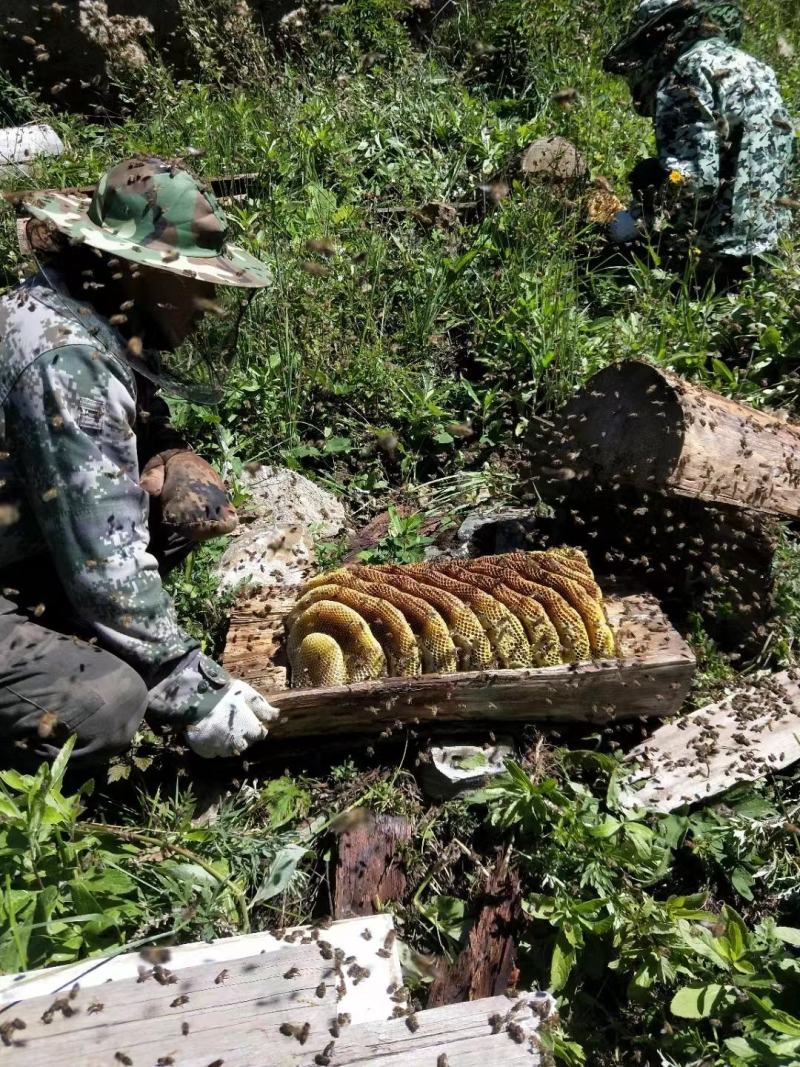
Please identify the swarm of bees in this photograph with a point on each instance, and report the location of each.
(521, 609)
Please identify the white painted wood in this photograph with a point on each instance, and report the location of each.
(242, 1022)
(20, 144)
(462, 1032)
(365, 1002)
(752, 732)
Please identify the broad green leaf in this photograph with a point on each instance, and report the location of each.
(697, 1002)
(285, 801)
(8, 809)
(447, 914)
(788, 934)
(561, 964)
(20, 782)
(59, 766)
(280, 873)
(741, 1047)
(742, 881)
(736, 932)
(606, 829)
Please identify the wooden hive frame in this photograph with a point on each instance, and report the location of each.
(650, 677)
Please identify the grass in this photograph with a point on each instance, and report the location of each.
(405, 352)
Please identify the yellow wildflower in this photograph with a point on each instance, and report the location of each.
(676, 177)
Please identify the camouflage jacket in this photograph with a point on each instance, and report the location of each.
(726, 145)
(69, 486)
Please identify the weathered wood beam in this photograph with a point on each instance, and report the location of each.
(487, 965)
(651, 677)
(749, 735)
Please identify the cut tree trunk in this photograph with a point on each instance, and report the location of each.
(638, 425)
(370, 869)
(487, 966)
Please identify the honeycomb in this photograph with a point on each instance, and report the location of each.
(520, 609)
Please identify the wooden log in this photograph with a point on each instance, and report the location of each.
(651, 677)
(487, 965)
(370, 868)
(637, 424)
(747, 736)
(254, 650)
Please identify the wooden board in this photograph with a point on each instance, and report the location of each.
(364, 1001)
(750, 734)
(651, 677)
(248, 1034)
(232, 1008)
(463, 1033)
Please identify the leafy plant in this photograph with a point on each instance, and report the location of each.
(403, 542)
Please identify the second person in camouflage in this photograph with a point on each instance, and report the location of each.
(724, 140)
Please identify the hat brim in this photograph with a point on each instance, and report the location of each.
(68, 214)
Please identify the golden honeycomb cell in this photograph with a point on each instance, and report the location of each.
(505, 632)
(386, 622)
(513, 610)
(363, 656)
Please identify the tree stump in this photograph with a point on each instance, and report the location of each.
(370, 868)
(487, 966)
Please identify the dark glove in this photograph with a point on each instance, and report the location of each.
(190, 494)
(648, 175)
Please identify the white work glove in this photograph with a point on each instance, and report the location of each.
(235, 722)
(220, 715)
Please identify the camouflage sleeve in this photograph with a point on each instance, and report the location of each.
(687, 137)
(70, 420)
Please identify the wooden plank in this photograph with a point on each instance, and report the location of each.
(254, 650)
(468, 1035)
(369, 870)
(750, 734)
(203, 1012)
(363, 1000)
(462, 1033)
(651, 678)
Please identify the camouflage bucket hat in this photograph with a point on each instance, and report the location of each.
(658, 28)
(151, 212)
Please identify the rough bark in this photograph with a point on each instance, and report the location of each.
(487, 965)
(634, 424)
(370, 867)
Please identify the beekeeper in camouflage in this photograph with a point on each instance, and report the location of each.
(725, 142)
(88, 457)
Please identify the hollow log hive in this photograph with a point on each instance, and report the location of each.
(521, 609)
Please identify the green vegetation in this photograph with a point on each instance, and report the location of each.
(407, 348)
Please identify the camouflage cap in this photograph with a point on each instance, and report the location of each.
(646, 10)
(660, 28)
(155, 213)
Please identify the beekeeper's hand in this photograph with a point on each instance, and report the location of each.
(236, 721)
